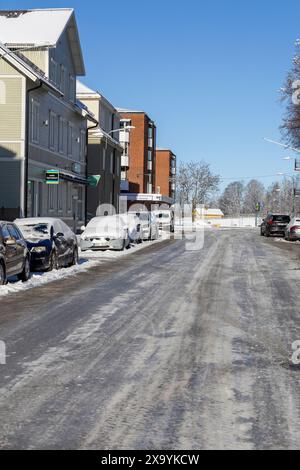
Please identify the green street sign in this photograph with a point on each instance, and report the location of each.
(52, 177)
(258, 207)
(93, 180)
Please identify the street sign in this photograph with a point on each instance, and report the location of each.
(258, 207)
(52, 177)
(93, 180)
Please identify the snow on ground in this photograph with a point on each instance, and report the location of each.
(283, 240)
(88, 260)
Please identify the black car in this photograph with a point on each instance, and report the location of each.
(14, 254)
(274, 224)
(51, 243)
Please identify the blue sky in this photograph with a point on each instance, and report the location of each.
(207, 72)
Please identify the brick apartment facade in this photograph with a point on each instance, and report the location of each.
(165, 172)
(138, 175)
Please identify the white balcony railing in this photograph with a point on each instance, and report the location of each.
(149, 167)
(124, 161)
(124, 137)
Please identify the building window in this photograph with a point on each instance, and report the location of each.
(103, 159)
(70, 140)
(72, 88)
(149, 155)
(63, 79)
(80, 203)
(53, 131)
(82, 145)
(60, 198)
(35, 124)
(69, 197)
(53, 71)
(51, 197)
(112, 162)
(62, 131)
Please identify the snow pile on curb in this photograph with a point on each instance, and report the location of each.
(88, 260)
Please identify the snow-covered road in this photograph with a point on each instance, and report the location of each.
(168, 349)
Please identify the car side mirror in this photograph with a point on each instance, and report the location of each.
(10, 241)
(59, 235)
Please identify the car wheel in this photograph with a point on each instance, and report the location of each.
(2, 275)
(53, 261)
(25, 274)
(75, 258)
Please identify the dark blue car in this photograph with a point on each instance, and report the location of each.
(51, 243)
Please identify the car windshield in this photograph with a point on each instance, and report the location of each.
(36, 231)
(281, 218)
(106, 224)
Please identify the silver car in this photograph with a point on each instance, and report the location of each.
(105, 233)
(292, 231)
(149, 225)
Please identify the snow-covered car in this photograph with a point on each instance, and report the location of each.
(292, 231)
(133, 224)
(51, 243)
(165, 219)
(149, 225)
(105, 233)
(14, 254)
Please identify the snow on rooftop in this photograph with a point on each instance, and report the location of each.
(124, 110)
(33, 27)
(85, 90)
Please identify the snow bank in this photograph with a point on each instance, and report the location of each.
(88, 260)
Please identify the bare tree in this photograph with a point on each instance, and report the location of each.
(231, 201)
(291, 95)
(254, 194)
(195, 183)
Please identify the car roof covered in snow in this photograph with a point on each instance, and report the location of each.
(36, 220)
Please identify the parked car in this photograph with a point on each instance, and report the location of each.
(14, 254)
(51, 243)
(105, 233)
(292, 231)
(134, 227)
(165, 219)
(274, 224)
(149, 225)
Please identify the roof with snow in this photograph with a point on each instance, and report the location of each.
(41, 28)
(82, 89)
(124, 110)
(214, 212)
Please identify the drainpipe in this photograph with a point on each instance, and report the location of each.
(27, 120)
(86, 168)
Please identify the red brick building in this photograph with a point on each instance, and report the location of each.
(138, 163)
(165, 172)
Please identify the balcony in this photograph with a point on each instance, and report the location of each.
(149, 166)
(173, 186)
(124, 137)
(125, 161)
(173, 171)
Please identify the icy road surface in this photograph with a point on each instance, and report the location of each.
(165, 349)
